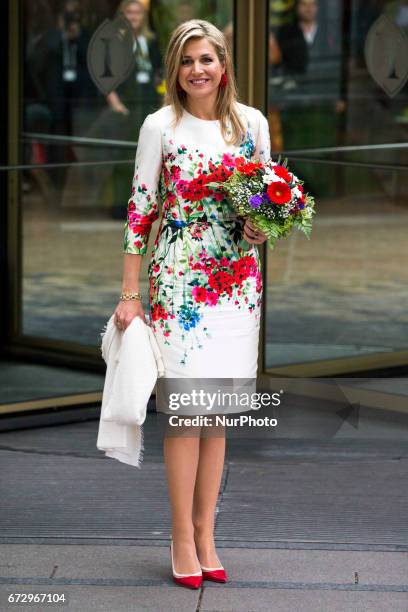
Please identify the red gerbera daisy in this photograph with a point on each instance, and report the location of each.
(279, 192)
(282, 172)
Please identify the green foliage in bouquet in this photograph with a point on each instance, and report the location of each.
(273, 219)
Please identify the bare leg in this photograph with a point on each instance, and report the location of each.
(181, 460)
(208, 480)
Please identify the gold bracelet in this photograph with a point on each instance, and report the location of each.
(131, 296)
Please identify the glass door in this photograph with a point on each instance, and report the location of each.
(337, 303)
(71, 161)
(82, 144)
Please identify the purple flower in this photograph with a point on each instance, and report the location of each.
(255, 200)
(301, 205)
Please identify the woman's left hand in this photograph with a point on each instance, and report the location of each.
(252, 234)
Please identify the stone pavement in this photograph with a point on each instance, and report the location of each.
(106, 578)
(302, 525)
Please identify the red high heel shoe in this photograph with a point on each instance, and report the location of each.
(192, 581)
(216, 574)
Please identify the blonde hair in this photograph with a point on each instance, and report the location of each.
(145, 30)
(226, 108)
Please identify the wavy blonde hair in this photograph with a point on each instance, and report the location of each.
(233, 128)
(145, 30)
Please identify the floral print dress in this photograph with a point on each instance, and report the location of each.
(205, 290)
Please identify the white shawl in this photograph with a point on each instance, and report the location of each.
(133, 363)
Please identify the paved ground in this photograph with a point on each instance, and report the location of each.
(302, 525)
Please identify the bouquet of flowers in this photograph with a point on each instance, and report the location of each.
(270, 195)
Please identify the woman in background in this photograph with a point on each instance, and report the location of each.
(137, 96)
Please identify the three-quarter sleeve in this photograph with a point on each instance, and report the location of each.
(143, 205)
(263, 141)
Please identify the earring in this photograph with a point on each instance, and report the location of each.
(224, 80)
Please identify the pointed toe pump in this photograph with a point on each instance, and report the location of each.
(191, 581)
(216, 574)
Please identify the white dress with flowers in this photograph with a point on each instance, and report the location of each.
(205, 290)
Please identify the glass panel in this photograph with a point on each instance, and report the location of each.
(74, 214)
(343, 292)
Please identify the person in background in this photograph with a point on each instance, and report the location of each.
(310, 95)
(137, 96)
(62, 70)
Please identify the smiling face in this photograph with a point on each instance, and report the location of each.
(200, 69)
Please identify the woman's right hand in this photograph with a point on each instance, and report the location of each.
(126, 311)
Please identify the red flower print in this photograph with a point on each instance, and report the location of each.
(211, 298)
(279, 192)
(158, 312)
(196, 232)
(243, 268)
(140, 224)
(209, 263)
(228, 160)
(247, 168)
(175, 172)
(258, 282)
(199, 294)
(221, 282)
(194, 190)
(218, 173)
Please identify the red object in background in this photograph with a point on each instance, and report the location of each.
(39, 153)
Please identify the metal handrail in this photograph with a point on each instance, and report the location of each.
(130, 144)
(107, 162)
(80, 140)
(292, 154)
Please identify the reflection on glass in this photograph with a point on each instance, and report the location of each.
(342, 293)
(73, 214)
(305, 86)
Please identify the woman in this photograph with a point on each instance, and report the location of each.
(137, 96)
(138, 93)
(205, 290)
